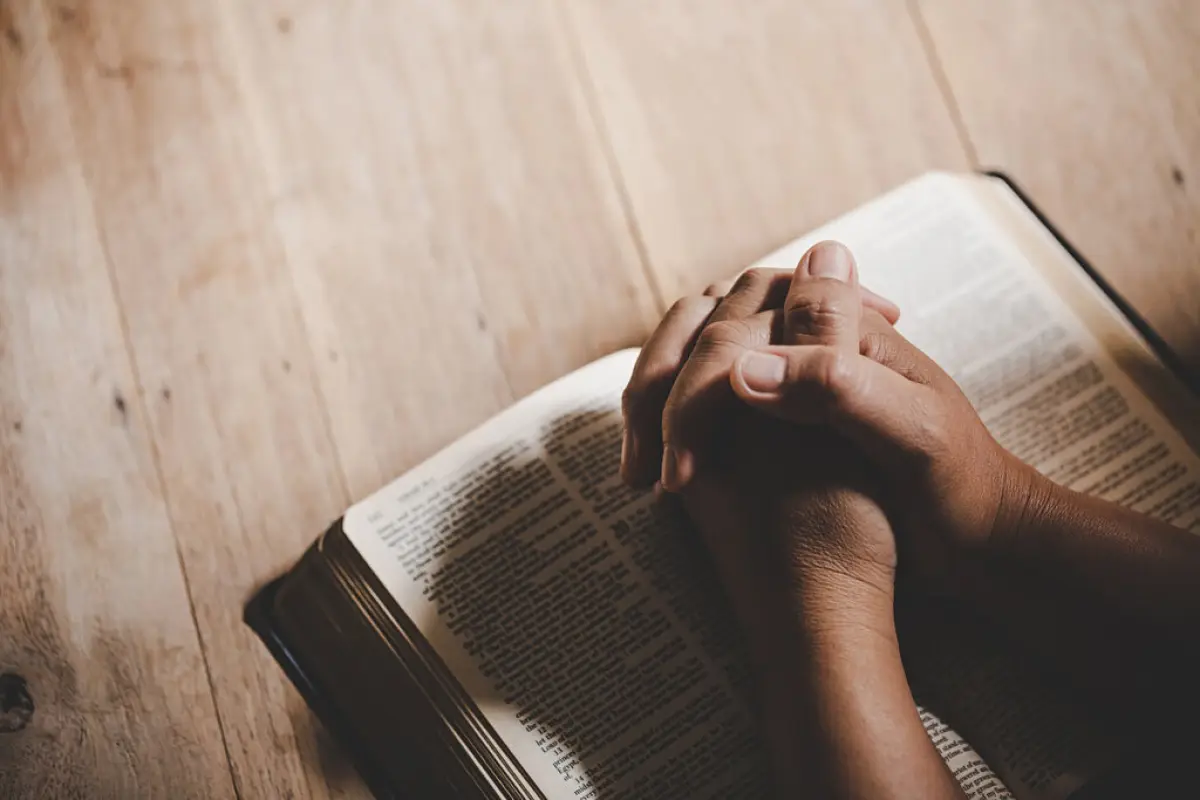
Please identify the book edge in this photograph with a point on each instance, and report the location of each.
(259, 615)
(1121, 778)
(1158, 346)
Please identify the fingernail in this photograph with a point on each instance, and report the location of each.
(763, 372)
(676, 469)
(830, 260)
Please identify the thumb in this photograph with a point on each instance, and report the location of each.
(824, 304)
(883, 412)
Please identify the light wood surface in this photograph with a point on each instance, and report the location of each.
(258, 258)
(736, 131)
(1095, 109)
(221, 357)
(103, 690)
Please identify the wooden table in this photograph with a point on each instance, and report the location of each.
(258, 258)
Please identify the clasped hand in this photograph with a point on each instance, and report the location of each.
(820, 455)
(813, 446)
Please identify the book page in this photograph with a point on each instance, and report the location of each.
(584, 623)
(973, 774)
(984, 290)
(579, 616)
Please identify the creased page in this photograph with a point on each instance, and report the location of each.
(1050, 392)
(969, 769)
(578, 615)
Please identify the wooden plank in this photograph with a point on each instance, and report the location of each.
(225, 371)
(737, 127)
(103, 690)
(1093, 108)
(454, 231)
(451, 245)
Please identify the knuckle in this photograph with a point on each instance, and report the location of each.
(692, 305)
(649, 384)
(753, 278)
(875, 346)
(716, 289)
(836, 375)
(723, 333)
(817, 315)
(888, 348)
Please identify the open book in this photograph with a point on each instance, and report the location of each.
(507, 620)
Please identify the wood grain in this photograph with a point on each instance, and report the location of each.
(1094, 109)
(258, 173)
(248, 467)
(454, 232)
(103, 691)
(739, 127)
(256, 259)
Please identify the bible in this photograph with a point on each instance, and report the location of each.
(508, 620)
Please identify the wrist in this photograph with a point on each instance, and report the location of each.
(813, 654)
(1024, 494)
(837, 638)
(824, 614)
(831, 601)
(831, 611)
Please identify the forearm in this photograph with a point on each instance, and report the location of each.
(1110, 594)
(840, 718)
(1147, 570)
